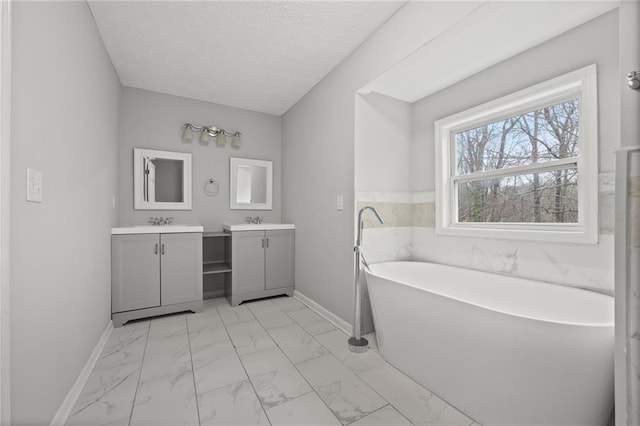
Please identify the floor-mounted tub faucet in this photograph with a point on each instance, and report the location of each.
(357, 343)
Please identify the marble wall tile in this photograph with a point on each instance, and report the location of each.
(348, 397)
(633, 329)
(384, 197)
(634, 211)
(235, 404)
(386, 244)
(424, 214)
(393, 214)
(582, 265)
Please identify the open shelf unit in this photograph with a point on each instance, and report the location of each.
(216, 263)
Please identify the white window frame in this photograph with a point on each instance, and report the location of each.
(582, 84)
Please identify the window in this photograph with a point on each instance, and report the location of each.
(523, 166)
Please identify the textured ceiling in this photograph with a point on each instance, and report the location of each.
(262, 55)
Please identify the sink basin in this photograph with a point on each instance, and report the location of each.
(156, 229)
(258, 226)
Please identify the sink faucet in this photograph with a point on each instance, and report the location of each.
(254, 220)
(160, 221)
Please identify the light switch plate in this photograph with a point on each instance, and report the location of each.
(34, 186)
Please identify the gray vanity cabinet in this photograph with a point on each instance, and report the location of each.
(263, 264)
(155, 274)
(180, 268)
(279, 259)
(135, 272)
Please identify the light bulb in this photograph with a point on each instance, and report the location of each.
(204, 136)
(221, 139)
(235, 142)
(187, 133)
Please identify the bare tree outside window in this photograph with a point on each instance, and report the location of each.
(503, 149)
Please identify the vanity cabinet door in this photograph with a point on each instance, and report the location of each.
(279, 256)
(135, 272)
(247, 254)
(181, 268)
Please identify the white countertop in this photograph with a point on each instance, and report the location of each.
(258, 226)
(157, 229)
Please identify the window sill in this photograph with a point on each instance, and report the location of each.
(573, 235)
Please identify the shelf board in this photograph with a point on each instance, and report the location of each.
(215, 234)
(215, 268)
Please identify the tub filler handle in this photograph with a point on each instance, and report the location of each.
(357, 343)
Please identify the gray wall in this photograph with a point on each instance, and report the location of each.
(593, 42)
(154, 120)
(584, 265)
(64, 124)
(318, 157)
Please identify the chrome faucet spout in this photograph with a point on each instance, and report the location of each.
(361, 224)
(357, 343)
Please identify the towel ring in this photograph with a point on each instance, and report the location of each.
(211, 187)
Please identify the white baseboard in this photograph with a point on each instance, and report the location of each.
(64, 411)
(324, 312)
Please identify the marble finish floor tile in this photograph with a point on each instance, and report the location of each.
(274, 377)
(167, 326)
(235, 315)
(123, 347)
(336, 342)
(344, 393)
(313, 323)
(206, 328)
(296, 343)
(235, 404)
(215, 366)
(168, 400)
(165, 357)
(305, 410)
(249, 337)
(385, 416)
(270, 316)
(416, 403)
(272, 361)
(107, 396)
(288, 304)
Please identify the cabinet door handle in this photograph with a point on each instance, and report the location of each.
(267, 243)
(155, 249)
(263, 243)
(162, 249)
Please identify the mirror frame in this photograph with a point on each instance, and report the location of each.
(138, 201)
(234, 162)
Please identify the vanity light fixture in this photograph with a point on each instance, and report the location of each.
(209, 132)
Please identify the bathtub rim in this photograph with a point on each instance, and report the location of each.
(611, 324)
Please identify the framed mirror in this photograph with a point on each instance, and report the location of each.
(251, 184)
(161, 180)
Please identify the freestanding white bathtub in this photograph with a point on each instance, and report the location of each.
(503, 350)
